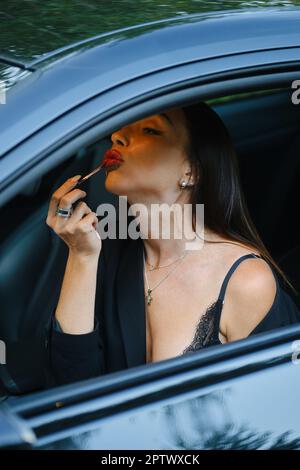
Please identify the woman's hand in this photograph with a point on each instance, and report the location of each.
(79, 230)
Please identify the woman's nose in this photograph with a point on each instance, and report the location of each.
(119, 138)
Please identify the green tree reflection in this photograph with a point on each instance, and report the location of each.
(30, 28)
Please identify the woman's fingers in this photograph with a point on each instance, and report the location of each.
(78, 230)
(67, 201)
(55, 200)
(79, 212)
(89, 222)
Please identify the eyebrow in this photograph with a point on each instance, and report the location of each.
(165, 116)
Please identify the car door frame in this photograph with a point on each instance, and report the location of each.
(45, 417)
(49, 147)
(130, 101)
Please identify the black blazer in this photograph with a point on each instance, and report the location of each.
(119, 339)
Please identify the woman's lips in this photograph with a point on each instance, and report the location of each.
(112, 157)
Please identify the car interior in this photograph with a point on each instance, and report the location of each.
(265, 127)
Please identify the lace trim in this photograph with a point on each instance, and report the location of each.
(206, 334)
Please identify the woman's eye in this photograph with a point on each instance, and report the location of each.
(150, 130)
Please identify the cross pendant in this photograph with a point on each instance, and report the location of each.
(149, 298)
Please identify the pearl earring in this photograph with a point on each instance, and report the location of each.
(183, 184)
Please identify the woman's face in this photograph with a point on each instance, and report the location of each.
(154, 158)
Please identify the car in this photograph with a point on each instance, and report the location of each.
(59, 112)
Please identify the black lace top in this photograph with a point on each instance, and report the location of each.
(282, 312)
(207, 331)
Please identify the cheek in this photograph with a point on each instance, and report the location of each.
(147, 166)
(149, 148)
(168, 161)
(159, 156)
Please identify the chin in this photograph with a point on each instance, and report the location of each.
(113, 185)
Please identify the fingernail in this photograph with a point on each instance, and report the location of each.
(75, 178)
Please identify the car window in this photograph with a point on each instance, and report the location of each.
(242, 96)
(27, 242)
(29, 199)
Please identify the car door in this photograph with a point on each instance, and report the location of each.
(242, 395)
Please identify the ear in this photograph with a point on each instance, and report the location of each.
(187, 173)
(192, 180)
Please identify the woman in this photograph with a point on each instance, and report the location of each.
(127, 302)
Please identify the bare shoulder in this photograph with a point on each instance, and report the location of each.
(249, 296)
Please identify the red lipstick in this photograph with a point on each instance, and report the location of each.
(111, 158)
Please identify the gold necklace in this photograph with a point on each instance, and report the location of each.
(165, 265)
(150, 290)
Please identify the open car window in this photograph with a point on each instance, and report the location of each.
(28, 258)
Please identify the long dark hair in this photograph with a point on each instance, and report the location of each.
(215, 166)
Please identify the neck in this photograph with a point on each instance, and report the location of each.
(163, 237)
(164, 247)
